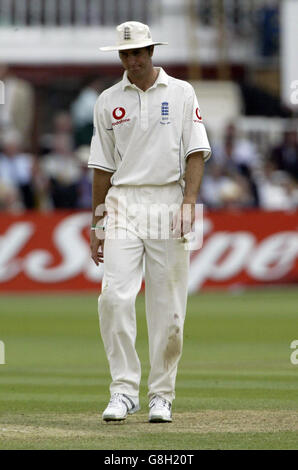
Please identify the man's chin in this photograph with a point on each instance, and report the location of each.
(136, 71)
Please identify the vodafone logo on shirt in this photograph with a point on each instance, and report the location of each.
(118, 114)
(198, 115)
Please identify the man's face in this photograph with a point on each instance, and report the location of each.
(137, 62)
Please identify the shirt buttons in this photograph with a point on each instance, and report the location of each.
(144, 111)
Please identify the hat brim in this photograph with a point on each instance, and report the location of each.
(128, 46)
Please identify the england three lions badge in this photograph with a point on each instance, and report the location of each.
(165, 113)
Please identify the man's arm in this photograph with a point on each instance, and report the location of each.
(100, 187)
(193, 177)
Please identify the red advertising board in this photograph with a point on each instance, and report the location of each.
(50, 251)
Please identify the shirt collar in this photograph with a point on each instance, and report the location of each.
(162, 79)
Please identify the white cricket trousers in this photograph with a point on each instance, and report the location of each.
(166, 283)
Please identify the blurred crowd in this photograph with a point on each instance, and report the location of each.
(238, 175)
(57, 177)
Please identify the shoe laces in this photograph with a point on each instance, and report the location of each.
(160, 402)
(116, 398)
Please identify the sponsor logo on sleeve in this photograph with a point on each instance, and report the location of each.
(198, 116)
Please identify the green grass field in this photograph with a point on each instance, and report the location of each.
(236, 387)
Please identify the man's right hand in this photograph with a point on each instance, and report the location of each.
(96, 246)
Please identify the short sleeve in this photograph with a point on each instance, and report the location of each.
(102, 144)
(194, 133)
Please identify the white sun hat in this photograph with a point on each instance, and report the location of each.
(132, 35)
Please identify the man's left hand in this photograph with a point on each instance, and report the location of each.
(183, 220)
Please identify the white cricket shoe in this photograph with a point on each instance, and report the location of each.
(119, 406)
(160, 410)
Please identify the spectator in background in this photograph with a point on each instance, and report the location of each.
(82, 112)
(277, 189)
(211, 186)
(285, 155)
(63, 172)
(222, 191)
(238, 156)
(17, 111)
(235, 193)
(17, 168)
(268, 22)
(10, 200)
(62, 126)
(85, 181)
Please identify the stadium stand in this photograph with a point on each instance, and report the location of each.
(231, 57)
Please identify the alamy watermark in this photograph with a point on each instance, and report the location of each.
(294, 355)
(2, 353)
(154, 221)
(294, 94)
(2, 92)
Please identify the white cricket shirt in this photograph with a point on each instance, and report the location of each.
(145, 137)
